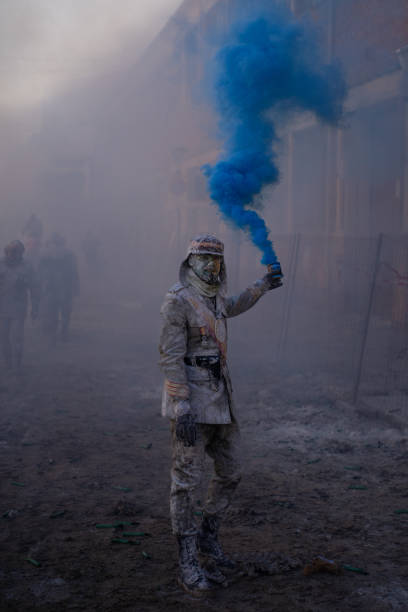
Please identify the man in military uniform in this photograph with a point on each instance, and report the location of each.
(197, 397)
(58, 272)
(17, 280)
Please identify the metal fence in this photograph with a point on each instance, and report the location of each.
(341, 318)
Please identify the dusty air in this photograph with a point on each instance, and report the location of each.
(203, 305)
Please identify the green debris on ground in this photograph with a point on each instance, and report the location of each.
(57, 514)
(33, 562)
(358, 487)
(356, 570)
(147, 446)
(314, 461)
(284, 504)
(353, 467)
(124, 489)
(125, 541)
(145, 555)
(18, 484)
(114, 525)
(120, 541)
(402, 511)
(7, 514)
(137, 533)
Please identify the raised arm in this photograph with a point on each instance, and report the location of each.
(244, 301)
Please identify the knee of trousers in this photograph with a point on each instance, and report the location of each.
(184, 479)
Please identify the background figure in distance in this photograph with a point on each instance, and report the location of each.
(17, 281)
(197, 397)
(32, 239)
(58, 272)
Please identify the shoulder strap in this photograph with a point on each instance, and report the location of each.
(208, 318)
(176, 288)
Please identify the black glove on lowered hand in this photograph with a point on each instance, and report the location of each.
(186, 430)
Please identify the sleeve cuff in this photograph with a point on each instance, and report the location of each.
(181, 408)
(177, 390)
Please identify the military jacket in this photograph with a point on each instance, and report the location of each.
(196, 326)
(16, 282)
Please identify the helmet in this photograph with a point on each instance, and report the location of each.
(205, 244)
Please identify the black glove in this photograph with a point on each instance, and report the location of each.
(274, 278)
(186, 430)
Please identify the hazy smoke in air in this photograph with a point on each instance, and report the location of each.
(268, 69)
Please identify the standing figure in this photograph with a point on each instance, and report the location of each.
(58, 272)
(31, 237)
(17, 280)
(197, 397)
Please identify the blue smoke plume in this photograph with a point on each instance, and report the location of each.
(269, 69)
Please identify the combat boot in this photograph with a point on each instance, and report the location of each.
(209, 545)
(192, 576)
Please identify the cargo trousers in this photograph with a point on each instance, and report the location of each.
(221, 443)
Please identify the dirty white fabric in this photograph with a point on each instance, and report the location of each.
(202, 287)
(221, 443)
(189, 321)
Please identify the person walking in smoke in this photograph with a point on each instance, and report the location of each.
(197, 397)
(58, 272)
(32, 239)
(18, 281)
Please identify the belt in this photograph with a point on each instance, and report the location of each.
(204, 361)
(211, 362)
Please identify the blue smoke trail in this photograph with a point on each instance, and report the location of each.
(270, 69)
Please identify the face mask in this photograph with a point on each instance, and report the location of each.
(207, 267)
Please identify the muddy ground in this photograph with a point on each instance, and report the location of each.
(82, 445)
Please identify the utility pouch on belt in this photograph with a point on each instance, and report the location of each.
(211, 362)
